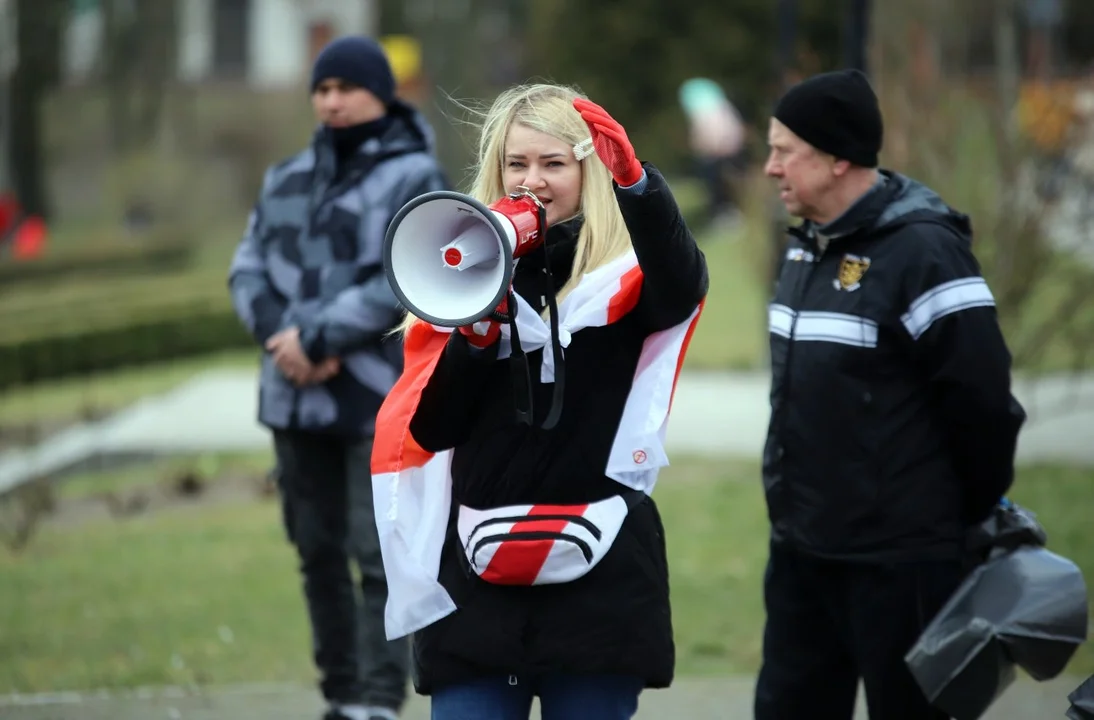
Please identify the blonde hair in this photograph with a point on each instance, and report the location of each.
(549, 109)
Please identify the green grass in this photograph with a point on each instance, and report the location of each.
(732, 332)
(212, 594)
(716, 532)
(1055, 328)
(206, 466)
(187, 596)
(76, 397)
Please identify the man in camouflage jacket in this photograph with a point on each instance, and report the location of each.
(308, 282)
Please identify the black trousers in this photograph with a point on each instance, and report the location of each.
(326, 494)
(831, 623)
(717, 173)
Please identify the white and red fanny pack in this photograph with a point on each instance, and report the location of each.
(541, 544)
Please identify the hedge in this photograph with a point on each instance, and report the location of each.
(93, 349)
(116, 296)
(103, 262)
(96, 317)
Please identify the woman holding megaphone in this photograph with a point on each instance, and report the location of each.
(524, 550)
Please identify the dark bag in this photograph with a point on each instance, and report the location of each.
(1082, 701)
(1021, 606)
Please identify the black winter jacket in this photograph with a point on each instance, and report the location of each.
(615, 619)
(893, 427)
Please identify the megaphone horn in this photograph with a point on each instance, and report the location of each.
(449, 258)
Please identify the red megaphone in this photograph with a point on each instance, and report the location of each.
(449, 258)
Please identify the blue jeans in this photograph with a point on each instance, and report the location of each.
(561, 697)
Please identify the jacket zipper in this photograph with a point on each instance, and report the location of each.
(538, 535)
(800, 296)
(321, 193)
(576, 519)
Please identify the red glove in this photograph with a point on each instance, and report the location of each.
(611, 143)
(485, 332)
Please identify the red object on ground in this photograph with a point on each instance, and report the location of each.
(30, 239)
(9, 210)
(27, 234)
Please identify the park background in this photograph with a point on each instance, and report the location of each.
(139, 130)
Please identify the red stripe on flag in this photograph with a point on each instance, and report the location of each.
(624, 300)
(518, 562)
(394, 448)
(684, 349)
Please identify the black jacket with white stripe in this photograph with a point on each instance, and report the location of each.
(893, 427)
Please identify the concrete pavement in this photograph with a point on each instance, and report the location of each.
(688, 699)
(714, 413)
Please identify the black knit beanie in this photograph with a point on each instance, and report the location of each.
(837, 113)
(357, 60)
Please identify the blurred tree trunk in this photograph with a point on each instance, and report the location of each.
(118, 57)
(905, 61)
(1007, 66)
(455, 62)
(38, 31)
(1011, 263)
(393, 17)
(140, 41)
(157, 25)
(856, 34)
(786, 34)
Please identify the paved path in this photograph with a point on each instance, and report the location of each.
(692, 699)
(714, 413)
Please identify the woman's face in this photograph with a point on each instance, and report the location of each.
(546, 166)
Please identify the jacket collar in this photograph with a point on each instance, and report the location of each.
(561, 247)
(863, 214)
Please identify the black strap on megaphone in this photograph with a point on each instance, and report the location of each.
(518, 361)
(518, 365)
(556, 343)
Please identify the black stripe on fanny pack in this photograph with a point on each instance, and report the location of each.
(535, 535)
(582, 521)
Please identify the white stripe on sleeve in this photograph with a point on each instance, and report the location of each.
(944, 299)
(780, 319)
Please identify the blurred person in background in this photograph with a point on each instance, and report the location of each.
(1044, 20)
(893, 428)
(307, 281)
(717, 137)
(550, 577)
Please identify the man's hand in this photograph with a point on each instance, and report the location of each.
(323, 371)
(289, 357)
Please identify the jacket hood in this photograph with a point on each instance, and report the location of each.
(895, 200)
(912, 200)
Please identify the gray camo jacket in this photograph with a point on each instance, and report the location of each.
(311, 257)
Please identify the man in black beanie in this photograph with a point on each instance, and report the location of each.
(893, 428)
(308, 282)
